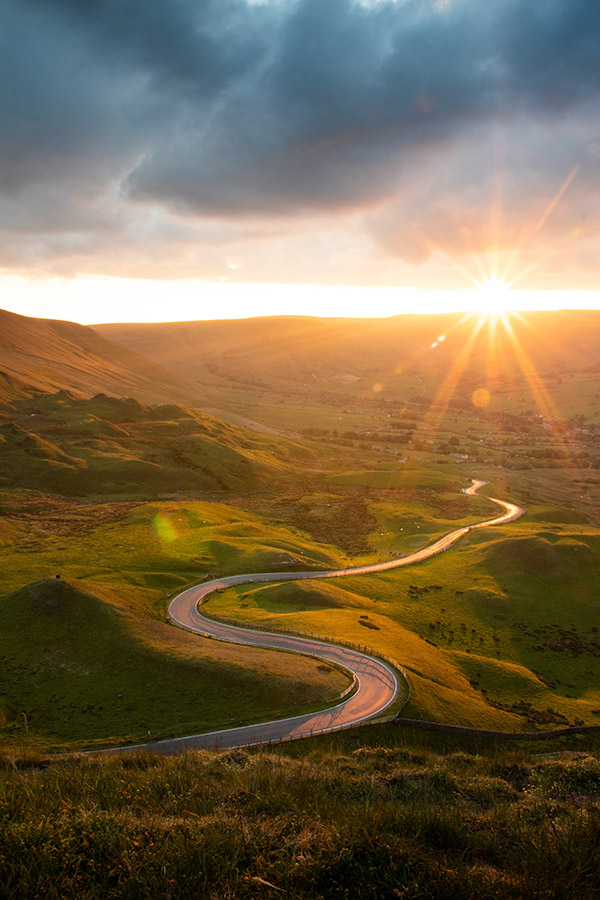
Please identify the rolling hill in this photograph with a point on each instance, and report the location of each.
(110, 446)
(46, 355)
(79, 669)
(386, 429)
(345, 354)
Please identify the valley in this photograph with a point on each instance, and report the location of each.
(132, 490)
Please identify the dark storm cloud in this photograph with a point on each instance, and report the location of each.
(198, 45)
(552, 52)
(227, 108)
(342, 89)
(345, 68)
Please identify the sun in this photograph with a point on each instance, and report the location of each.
(493, 295)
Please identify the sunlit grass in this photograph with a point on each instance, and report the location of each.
(77, 672)
(502, 618)
(358, 814)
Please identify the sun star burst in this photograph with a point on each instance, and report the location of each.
(493, 295)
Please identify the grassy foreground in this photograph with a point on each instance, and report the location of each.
(372, 813)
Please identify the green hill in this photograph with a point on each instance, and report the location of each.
(109, 446)
(386, 431)
(499, 632)
(74, 668)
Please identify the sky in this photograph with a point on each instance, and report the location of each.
(217, 158)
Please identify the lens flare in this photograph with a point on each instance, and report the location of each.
(480, 398)
(164, 528)
(169, 526)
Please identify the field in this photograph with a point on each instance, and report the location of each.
(514, 644)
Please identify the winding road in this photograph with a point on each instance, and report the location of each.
(376, 683)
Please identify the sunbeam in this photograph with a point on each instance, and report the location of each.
(437, 409)
(541, 396)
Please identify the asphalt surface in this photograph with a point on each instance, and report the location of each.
(377, 684)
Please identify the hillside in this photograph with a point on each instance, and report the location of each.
(381, 436)
(45, 355)
(377, 812)
(78, 668)
(500, 627)
(403, 357)
(109, 446)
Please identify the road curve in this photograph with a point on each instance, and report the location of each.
(376, 683)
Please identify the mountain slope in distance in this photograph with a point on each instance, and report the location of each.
(310, 349)
(46, 355)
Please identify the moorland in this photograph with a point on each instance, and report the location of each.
(137, 460)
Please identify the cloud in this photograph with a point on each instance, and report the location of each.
(120, 112)
(319, 124)
(507, 204)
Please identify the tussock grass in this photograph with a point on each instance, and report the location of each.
(368, 814)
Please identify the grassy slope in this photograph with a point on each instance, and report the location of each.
(107, 446)
(84, 672)
(344, 497)
(371, 813)
(394, 358)
(48, 355)
(134, 556)
(147, 551)
(505, 617)
(297, 347)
